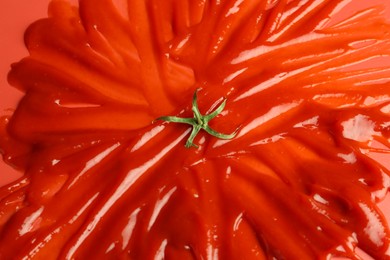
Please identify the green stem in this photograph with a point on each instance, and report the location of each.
(199, 121)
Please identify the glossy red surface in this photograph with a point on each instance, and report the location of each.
(300, 181)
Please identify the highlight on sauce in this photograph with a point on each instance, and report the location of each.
(307, 84)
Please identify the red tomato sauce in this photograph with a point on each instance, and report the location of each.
(103, 180)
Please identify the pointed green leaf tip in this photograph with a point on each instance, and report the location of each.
(199, 122)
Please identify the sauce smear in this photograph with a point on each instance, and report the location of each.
(102, 180)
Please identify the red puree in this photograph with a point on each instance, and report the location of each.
(300, 181)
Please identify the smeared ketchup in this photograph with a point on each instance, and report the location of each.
(103, 180)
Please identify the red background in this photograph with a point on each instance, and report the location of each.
(16, 15)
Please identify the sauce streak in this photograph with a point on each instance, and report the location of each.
(101, 181)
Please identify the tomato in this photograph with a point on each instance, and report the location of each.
(103, 179)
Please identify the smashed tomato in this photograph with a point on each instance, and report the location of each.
(309, 93)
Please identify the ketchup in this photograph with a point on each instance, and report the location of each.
(102, 179)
